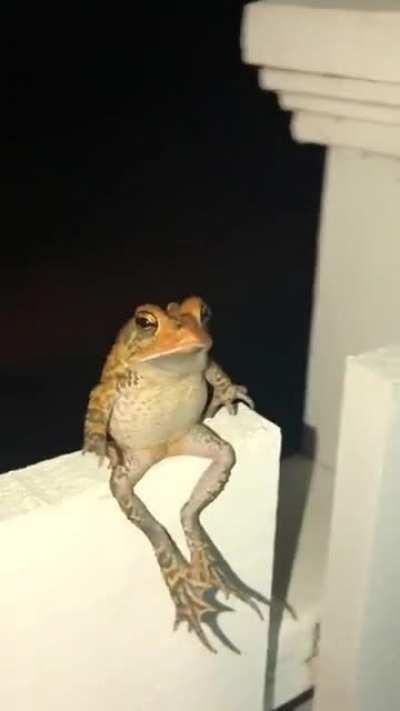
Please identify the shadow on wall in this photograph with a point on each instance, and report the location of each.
(293, 496)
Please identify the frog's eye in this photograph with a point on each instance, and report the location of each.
(205, 313)
(146, 321)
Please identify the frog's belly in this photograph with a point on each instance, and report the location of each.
(143, 418)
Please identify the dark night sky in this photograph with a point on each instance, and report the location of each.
(143, 163)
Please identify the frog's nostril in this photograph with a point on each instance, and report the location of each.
(178, 323)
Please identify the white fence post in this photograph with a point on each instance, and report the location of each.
(360, 642)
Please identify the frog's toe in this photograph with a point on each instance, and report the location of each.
(211, 568)
(194, 599)
(197, 605)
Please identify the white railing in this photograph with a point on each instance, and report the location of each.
(86, 620)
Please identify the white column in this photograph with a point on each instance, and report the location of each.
(336, 65)
(360, 643)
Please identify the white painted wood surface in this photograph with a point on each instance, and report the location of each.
(355, 38)
(72, 601)
(336, 65)
(305, 506)
(359, 651)
(85, 618)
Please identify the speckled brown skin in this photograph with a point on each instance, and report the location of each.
(150, 404)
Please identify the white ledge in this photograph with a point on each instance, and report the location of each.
(346, 133)
(363, 90)
(353, 39)
(357, 110)
(336, 65)
(87, 619)
(85, 615)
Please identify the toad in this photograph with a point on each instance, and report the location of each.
(150, 403)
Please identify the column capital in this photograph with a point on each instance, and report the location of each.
(335, 64)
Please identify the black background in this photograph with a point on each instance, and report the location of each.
(143, 163)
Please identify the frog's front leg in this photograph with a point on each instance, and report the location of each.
(101, 402)
(224, 391)
(207, 564)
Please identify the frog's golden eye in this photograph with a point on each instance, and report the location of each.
(146, 321)
(205, 313)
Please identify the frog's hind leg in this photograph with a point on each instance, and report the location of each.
(192, 604)
(208, 567)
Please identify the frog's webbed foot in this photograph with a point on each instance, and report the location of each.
(229, 397)
(197, 605)
(194, 599)
(209, 566)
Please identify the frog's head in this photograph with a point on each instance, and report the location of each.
(177, 332)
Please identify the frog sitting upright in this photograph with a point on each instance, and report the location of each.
(150, 404)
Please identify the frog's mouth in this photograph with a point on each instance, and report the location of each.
(182, 360)
(184, 350)
(178, 352)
